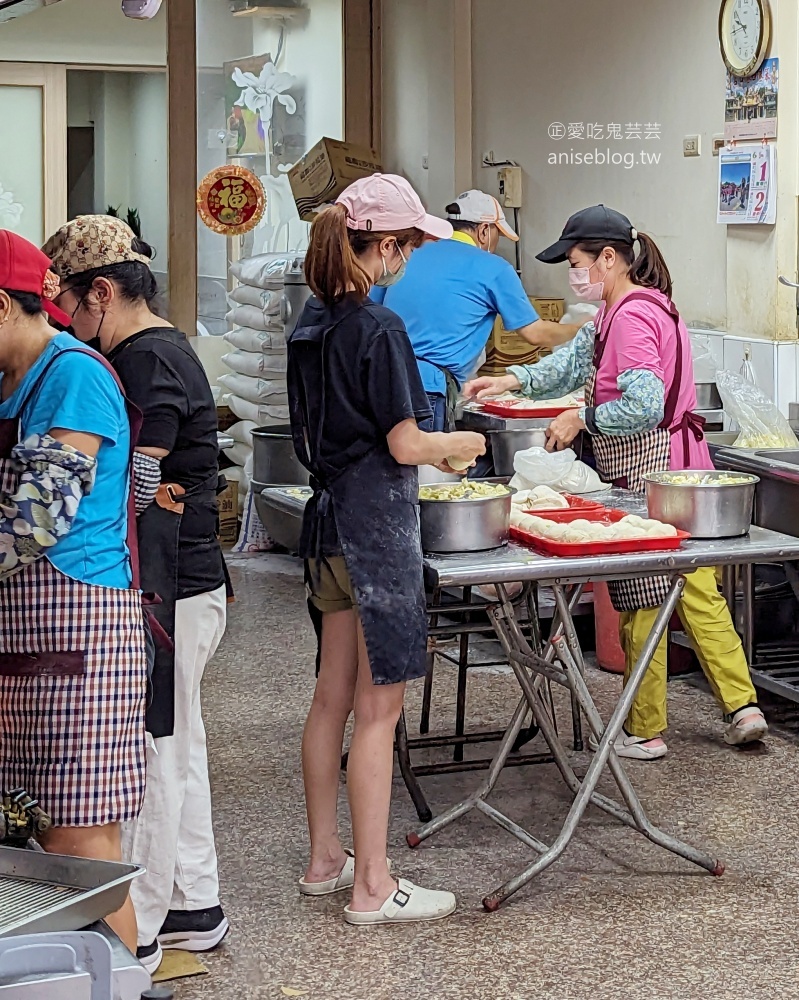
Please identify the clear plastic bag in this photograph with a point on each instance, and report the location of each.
(559, 470)
(705, 367)
(760, 423)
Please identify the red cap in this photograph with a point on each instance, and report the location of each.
(24, 268)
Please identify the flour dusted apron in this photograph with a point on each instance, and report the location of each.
(375, 506)
(73, 675)
(624, 460)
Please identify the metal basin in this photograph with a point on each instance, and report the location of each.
(706, 511)
(505, 445)
(429, 474)
(707, 396)
(281, 526)
(274, 458)
(465, 525)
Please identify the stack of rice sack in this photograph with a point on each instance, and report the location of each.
(256, 388)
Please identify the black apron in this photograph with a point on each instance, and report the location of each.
(374, 502)
(159, 550)
(451, 394)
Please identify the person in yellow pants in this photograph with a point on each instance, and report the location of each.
(708, 624)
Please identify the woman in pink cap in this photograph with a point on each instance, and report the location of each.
(356, 398)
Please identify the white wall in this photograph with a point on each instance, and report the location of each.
(148, 159)
(535, 64)
(84, 31)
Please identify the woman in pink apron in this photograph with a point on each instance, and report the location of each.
(635, 359)
(73, 661)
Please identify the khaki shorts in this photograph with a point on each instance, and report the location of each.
(329, 585)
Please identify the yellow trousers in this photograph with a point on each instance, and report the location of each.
(708, 624)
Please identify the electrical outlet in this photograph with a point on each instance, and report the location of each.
(691, 146)
(425, 162)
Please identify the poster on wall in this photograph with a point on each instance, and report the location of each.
(748, 185)
(751, 110)
(254, 88)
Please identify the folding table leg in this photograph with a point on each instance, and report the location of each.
(587, 788)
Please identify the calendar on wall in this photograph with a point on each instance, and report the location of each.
(748, 185)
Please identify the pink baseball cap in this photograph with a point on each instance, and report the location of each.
(385, 203)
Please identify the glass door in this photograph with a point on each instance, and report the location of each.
(33, 155)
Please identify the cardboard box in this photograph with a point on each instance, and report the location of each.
(324, 172)
(551, 309)
(228, 503)
(506, 347)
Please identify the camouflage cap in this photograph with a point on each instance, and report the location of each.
(89, 242)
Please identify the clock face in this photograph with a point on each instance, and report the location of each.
(744, 29)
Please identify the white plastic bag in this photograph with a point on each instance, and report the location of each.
(239, 453)
(559, 470)
(256, 390)
(242, 432)
(253, 536)
(246, 339)
(248, 295)
(760, 423)
(266, 270)
(254, 318)
(256, 365)
(705, 367)
(260, 414)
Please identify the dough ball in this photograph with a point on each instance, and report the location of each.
(574, 535)
(458, 464)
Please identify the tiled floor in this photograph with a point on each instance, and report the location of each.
(614, 919)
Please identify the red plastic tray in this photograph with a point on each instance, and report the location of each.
(607, 514)
(522, 409)
(578, 508)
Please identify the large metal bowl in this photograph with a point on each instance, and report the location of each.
(274, 458)
(429, 474)
(282, 526)
(709, 510)
(465, 525)
(505, 445)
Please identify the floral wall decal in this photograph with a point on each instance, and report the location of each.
(10, 209)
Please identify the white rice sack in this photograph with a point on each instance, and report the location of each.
(256, 390)
(245, 339)
(239, 453)
(266, 270)
(261, 413)
(253, 536)
(268, 302)
(242, 431)
(254, 318)
(256, 365)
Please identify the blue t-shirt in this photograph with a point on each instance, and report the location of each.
(449, 299)
(78, 394)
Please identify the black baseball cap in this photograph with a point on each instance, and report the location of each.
(595, 223)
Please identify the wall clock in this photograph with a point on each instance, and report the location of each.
(744, 35)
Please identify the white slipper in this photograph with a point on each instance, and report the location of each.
(344, 880)
(409, 903)
(746, 726)
(634, 747)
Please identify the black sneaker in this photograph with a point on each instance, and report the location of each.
(150, 956)
(194, 930)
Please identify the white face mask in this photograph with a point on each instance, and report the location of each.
(389, 278)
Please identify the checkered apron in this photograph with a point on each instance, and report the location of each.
(625, 460)
(73, 682)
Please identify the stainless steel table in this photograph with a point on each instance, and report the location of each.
(559, 660)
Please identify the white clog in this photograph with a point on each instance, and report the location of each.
(409, 903)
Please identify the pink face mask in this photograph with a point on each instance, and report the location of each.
(582, 286)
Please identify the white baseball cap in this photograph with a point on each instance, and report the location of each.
(477, 206)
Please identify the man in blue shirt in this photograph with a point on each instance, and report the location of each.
(453, 291)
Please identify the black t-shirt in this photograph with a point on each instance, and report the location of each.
(164, 378)
(371, 382)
